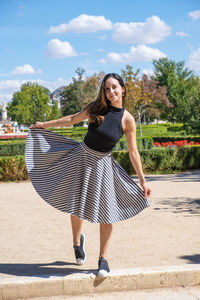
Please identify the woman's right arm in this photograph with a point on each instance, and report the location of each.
(65, 121)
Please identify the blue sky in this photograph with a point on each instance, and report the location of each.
(45, 41)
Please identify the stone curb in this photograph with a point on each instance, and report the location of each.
(85, 283)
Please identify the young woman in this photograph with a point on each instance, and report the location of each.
(83, 179)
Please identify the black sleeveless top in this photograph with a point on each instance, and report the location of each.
(105, 136)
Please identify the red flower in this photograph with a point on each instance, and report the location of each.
(175, 144)
(8, 137)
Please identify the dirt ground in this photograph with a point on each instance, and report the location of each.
(36, 239)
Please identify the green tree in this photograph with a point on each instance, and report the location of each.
(55, 111)
(189, 110)
(91, 88)
(153, 98)
(176, 77)
(142, 95)
(73, 94)
(30, 104)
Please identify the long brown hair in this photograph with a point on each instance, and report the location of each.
(98, 108)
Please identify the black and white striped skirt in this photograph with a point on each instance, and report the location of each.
(80, 181)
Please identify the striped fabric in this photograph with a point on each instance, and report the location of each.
(80, 181)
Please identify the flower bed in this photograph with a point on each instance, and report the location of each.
(14, 136)
(175, 144)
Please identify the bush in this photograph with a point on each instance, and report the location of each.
(154, 161)
(11, 149)
(142, 143)
(175, 127)
(13, 168)
(163, 160)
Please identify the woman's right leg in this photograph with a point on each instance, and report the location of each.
(76, 229)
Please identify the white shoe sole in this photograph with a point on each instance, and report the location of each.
(103, 273)
(80, 261)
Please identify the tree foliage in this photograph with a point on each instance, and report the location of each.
(29, 104)
(73, 94)
(176, 77)
(55, 111)
(190, 111)
(183, 90)
(91, 88)
(143, 96)
(81, 91)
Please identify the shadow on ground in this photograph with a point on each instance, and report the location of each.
(191, 259)
(58, 268)
(180, 205)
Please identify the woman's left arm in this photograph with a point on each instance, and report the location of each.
(129, 127)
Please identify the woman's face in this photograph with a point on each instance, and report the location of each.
(114, 91)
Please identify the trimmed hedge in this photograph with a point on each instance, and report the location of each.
(154, 161)
(10, 148)
(142, 144)
(175, 127)
(171, 160)
(163, 160)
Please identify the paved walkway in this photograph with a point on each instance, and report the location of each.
(36, 241)
(36, 238)
(183, 293)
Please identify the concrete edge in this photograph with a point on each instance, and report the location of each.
(85, 283)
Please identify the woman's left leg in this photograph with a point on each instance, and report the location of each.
(105, 236)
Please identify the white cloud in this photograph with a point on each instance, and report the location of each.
(5, 97)
(151, 31)
(139, 53)
(14, 85)
(148, 72)
(58, 49)
(101, 50)
(8, 87)
(54, 84)
(182, 34)
(25, 69)
(194, 60)
(195, 15)
(9, 84)
(83, 24)
(84, 54)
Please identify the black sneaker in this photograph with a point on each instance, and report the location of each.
(103, 269)
(80, 251)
